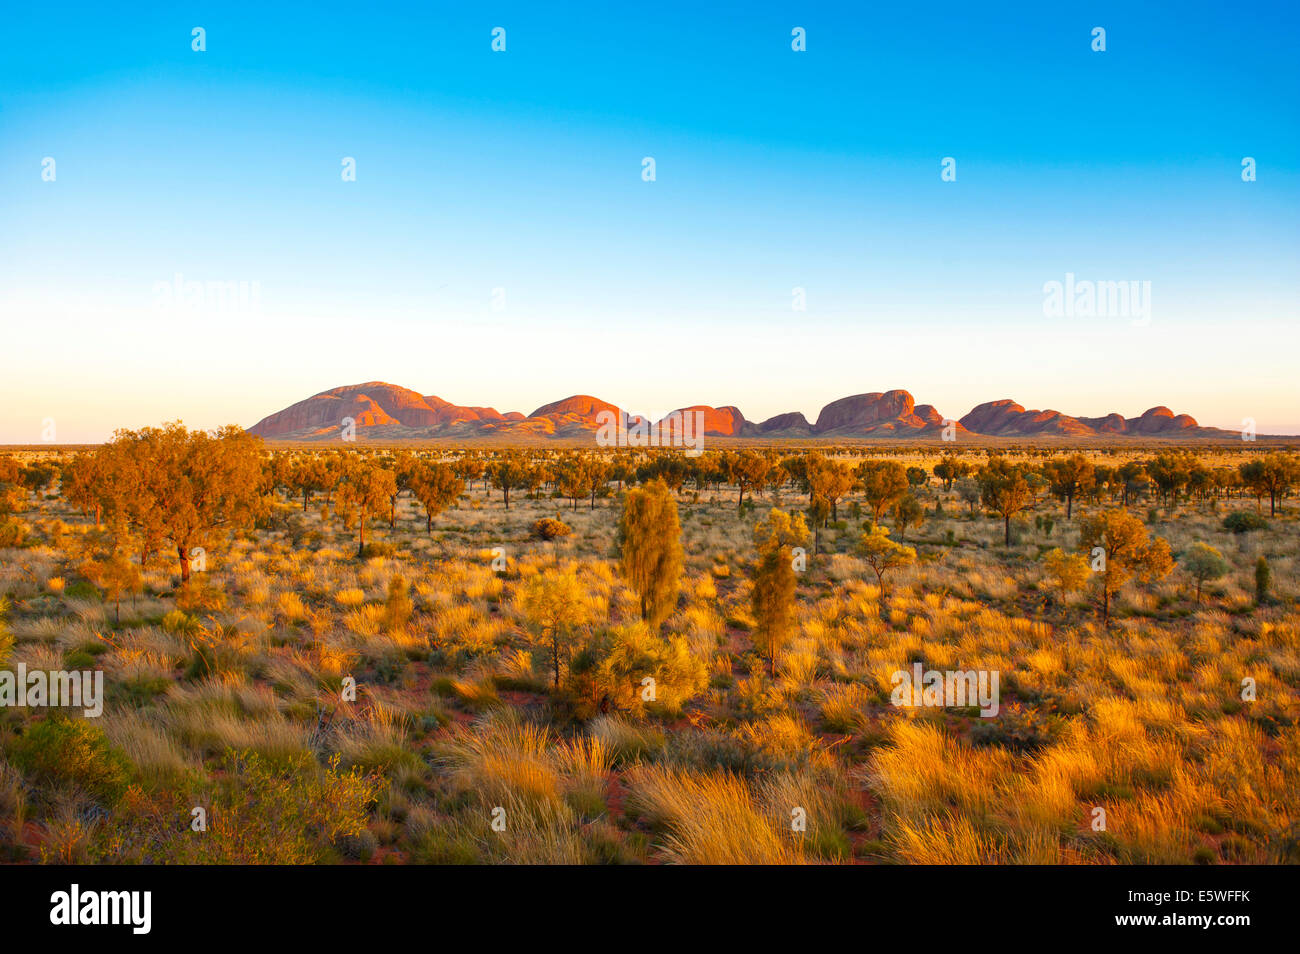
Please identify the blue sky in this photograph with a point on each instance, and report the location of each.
(522, 170)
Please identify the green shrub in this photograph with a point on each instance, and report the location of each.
(263, 814)
(82, 590)
(1016, 729)
(1263, 579)
(83, 657)
(67, 753)
(1241, 521)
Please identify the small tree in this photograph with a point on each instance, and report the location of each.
(949, 469)
(1204, 563)
(469, 468)
(908, 512)
(182, 485)
(80, 484)
(883, 482)
(649, 541)
(306, 476)
(1169, 472)
(1272, 476)
(596, 472)
(1005, 492)
(969, 491)
(1125, 549)
(556, 605)
(437, 487)
(116, 575)
(366, 490)
(775, 582)
(571, 479)
(508, 473)
(819, 511)
(828, 479)
(1070, 477)
(397, 605)
(749, 470)
(883, 554)
(1263, 580)
(1069, 571)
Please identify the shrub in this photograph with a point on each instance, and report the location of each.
(1241, 521)
(257, 813)
(1204, 563)
(6, 637)
(1017, 729)
(12, 533)
(397, 605)
(61, 752)
(1069, 571)
(1263, 579)
(549, 528)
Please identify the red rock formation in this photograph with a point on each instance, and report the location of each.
(792, 423)
(893, 412)
(393, 413)
(1161, 420)
(718, 421)
(992, 416)
(1110, 424)
(581, 408)
(373, 404)
(1006, 418)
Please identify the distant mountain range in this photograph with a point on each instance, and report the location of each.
(386, 412)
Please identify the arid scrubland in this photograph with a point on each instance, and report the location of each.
(374, 659)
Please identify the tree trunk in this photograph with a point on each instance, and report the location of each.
(183, 554)
(1006, 537)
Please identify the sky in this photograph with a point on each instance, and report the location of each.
(195, 251)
